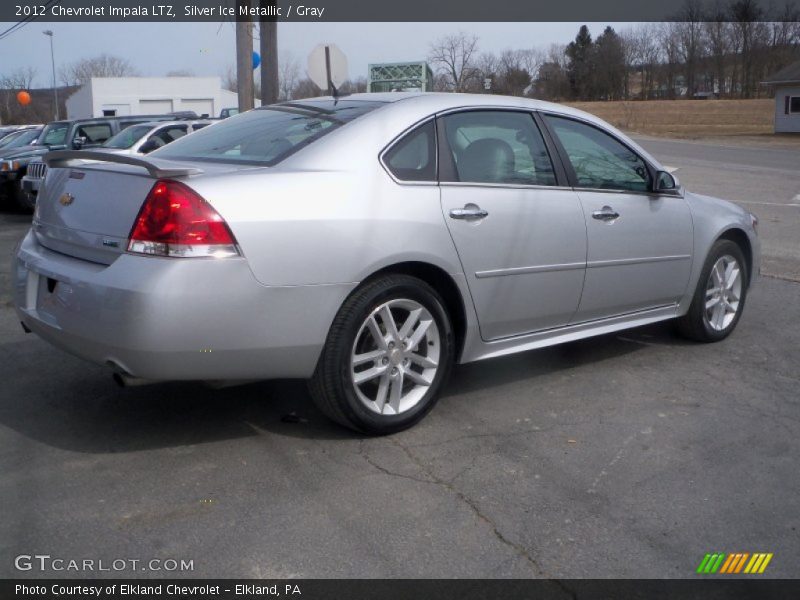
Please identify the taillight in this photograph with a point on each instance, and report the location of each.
(175, 221)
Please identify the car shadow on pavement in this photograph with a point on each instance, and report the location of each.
(78, 408)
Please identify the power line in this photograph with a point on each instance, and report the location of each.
(27, 20)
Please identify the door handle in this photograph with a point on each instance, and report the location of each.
(605, 214)
(468, 212)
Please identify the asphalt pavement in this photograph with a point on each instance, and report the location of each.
(763, 179)
(627, 455)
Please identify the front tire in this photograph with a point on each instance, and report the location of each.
(387, 355)
(719, 299)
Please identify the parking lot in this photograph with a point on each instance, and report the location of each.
(627, 455)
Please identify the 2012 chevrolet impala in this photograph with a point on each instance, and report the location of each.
(369, 242)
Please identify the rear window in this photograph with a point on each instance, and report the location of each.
(266, 136)
(128, 137)
(55, 134)
(94, 133)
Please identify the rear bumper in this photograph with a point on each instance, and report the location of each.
(173, 319)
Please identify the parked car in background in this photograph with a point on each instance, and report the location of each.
(21, 137)
(146, 137)
(75, 134)
(228, 112)
(136, 140)
(370, 242)
(7, 130)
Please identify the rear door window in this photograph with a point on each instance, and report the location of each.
(168, 134)
(502, 147)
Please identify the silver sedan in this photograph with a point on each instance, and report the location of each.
(368, 243)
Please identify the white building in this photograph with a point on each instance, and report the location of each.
(786, 83)
(119, 96)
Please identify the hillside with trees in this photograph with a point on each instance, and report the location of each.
(722, 54)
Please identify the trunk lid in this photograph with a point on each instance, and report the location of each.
(87, 210)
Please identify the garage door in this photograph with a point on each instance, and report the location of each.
(202, 106)
(155, 107)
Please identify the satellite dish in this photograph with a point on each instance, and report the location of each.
(327, 67)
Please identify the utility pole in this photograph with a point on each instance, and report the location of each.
(269, 56)
(49, 33)
(244, 58)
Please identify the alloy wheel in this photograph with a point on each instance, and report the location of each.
(723, 293)
(395, 356)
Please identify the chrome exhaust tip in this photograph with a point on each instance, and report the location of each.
(124, 380)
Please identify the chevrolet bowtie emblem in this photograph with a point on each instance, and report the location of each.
(66, 199)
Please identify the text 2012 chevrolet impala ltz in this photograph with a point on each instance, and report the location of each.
(369, 242)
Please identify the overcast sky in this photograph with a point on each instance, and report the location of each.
(208, 48)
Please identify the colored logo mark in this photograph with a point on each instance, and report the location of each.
(738, 562)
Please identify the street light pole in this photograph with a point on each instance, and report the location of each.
(49, 33)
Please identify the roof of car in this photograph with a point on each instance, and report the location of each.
(168, 123)
(437, 101)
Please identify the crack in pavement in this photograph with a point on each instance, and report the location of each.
(474, 436)
(434, 479)
(362, 452)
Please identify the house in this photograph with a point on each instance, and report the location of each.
(120, 96)
(786, 84)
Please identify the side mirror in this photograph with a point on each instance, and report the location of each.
(148, 147)
(78, 143)
(666, 183)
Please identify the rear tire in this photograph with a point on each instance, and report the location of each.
(719, 298)
(25, 202)
(388, 353)
(18, 198)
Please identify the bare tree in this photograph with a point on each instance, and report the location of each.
(104, 65)
(354, 86)
(488, 67)
(647, 53)
(454, 57)
(20, 79)
(288, 74)
(305, 88)
(719, 38)
(229, 81)
(784, 42)
(746, 15)
(10, 84)
(691, 42)
(669, 38)
(552, 81)
(514, 77)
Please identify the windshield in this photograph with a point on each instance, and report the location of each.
(6, 139)
(21, 138)
(127, 137)
(55, 134)
(266, 136)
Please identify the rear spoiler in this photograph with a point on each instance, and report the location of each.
(62, 158)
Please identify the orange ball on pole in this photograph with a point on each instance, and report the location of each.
(24, 98)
